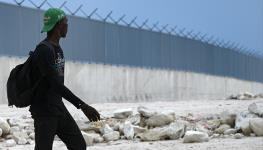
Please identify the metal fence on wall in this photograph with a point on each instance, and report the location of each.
(97, 39)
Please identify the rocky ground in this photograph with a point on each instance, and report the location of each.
(203, 124)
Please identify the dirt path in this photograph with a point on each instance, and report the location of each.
(202, 108)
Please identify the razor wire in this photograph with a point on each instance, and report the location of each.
(156, 27)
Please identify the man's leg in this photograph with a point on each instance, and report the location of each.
(70, 134)
(45, 130)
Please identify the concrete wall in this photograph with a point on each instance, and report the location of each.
(106, 43)
(116, 63)
(105, 83)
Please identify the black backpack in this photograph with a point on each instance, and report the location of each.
(20, 87)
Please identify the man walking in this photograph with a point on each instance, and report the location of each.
(47, 109)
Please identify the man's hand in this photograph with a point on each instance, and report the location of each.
(90, 112)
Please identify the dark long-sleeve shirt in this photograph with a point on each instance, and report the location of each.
(48, 65)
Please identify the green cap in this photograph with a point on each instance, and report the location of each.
(51, 17)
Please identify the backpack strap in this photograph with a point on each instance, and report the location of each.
(50, 46)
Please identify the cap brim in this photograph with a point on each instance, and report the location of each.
(47, 28)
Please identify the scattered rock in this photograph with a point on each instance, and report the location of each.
(106, 129)
(14, 129)
(238, 136)
(138, 129)
(32, 136)
(122, 113)
(4, 126)
(243, 123)
(176, 130)
(256, 124)
(259, 95)
(142, 121)
(228, 118)
(128, 130)
(10, 143)
(88, 138)
(213, 124)
(112, 136)
(145, 112)
(92, 126)
(2, 139)
(222, 128)
(159, 120)
(202, 128)
(97, 138)
(254, 108)
(215, 136)
(173, 131)
(1, 132)
(9, 136)
(248, 95)
(230, 131)
(22, 142)
(20, 137)
(82, 125)
(13, 122)
(30, 141)
(134, 119)
(154, 134)
(195, 136)
(242, 96)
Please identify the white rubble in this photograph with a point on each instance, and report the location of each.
(32, 136)
(243, 96)
(134, 119)
(213, 124)
(88, 138)
(14, 129)
(112, 136)
(248, 95)
(230, 131)
(128, 130)
(10, 143)
(256, 124)
(195, 136)
(138, 129)
(215, 135)
(255, 109)
(1, 132)
(96, 138)
(122, 113)
(238, 136)
(91, 138)
(173, 131)
(242, 122)
(145, 112)
(106, 129)
(222, 128)
(228, 118)
(4, 126)
(159, 120)
(176, 130)
(118, 127)
(13, 122)
(201, 128)
(20, 137)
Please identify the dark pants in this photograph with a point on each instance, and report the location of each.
(65, 127)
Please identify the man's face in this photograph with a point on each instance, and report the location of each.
(63, 27)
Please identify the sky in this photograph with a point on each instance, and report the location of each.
(239, 21)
